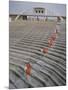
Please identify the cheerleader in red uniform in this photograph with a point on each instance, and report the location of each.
(28, 70)
(44, 50)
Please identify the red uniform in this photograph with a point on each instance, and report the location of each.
(45, 50)
(51, 40)
(28, 70)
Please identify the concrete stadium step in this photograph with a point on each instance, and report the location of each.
(11, 85)
(35, 56)
(37, 60)
(18, 62)
(36, 81)
(39, 49)
(32, 54)
(34, 48)
(39, 63)
(35, 70)
(25, 46)
(16, 80)
(37, 52)
(42, 44)
(20, 75)
(34, 61)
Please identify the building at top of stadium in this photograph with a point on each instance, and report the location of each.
(19, 10)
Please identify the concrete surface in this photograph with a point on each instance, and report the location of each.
(26, 39)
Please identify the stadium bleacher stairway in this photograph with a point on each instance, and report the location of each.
(25, 47)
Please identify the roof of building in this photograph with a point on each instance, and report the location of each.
(26, 8)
